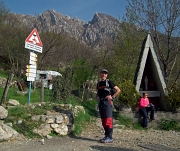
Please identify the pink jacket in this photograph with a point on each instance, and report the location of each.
(143, 103)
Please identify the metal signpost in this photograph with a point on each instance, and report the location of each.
(33, 43)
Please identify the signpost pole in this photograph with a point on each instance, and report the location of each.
(32, 42)
(29, 93)
(29, 90)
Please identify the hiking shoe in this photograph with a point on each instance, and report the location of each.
(107, 140)
(101, 140)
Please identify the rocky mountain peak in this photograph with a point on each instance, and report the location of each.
(91, 33)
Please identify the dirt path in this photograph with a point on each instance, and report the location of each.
(124, 140)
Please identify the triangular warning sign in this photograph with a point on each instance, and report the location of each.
(34, 38)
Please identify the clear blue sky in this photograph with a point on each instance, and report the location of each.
(82, 9)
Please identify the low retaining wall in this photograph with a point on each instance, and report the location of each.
(159, 115)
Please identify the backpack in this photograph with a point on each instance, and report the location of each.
(107, 88)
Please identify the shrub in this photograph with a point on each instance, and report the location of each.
(61, 89)
(128, 96)
(168, 124)
(173, 98)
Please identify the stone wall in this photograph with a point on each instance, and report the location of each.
(159, 115)
(58, 121)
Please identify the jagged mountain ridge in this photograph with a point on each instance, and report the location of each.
(91, 33)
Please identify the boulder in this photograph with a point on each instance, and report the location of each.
(12, 102)
(3, 113)
(6, 132)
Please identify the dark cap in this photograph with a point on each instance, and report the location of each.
(104, 70)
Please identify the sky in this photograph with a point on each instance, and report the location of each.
(82, 9)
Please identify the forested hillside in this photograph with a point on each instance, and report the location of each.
(103, 42)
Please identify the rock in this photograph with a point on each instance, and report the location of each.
(77, 109)
(19, 121)
(3, 113)
(13, 102)
(59, 119)
(6, 132)
(49, 137)
(49, 119)
(43, 130)
(68, 106)
(66, 119)
(3, 82)
(38, 117)
(54, 126)
(22, 92)
(62, 129)
(42, 141)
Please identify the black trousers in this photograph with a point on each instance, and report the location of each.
(106, 113)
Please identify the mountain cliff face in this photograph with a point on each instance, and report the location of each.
(92, 33)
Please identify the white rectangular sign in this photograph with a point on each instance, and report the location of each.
(30, 79)
(31, 70)
(31, 75)
(32, 62)
(31, 66)
(33, 47)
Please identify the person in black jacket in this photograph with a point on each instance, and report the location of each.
(105, 98)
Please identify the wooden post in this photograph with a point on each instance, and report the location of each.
(8, 83)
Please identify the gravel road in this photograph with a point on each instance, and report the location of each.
(124, 140)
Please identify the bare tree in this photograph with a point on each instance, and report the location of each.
(162, 19)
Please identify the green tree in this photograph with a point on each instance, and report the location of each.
(126, 52)
(162, 19)
(82, 73)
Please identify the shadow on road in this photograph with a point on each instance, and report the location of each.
(83, 138)
(109, 148)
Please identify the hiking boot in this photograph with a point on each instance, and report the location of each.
(107, 140)
(101, 140)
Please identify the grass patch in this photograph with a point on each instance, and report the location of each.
(128, 123)
(90, 107)
(35, 96)
(137, 126)
(4, 73)
(125, 121)
(82, 118)
(79, 122)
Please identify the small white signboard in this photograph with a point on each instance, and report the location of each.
(29, 74)
(30, 79)
(30, 66)
(31, 70)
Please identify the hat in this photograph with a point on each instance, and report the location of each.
(104, 70)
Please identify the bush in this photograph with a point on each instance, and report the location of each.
(128, 97)
(61, 89)
(173, 99)
(168, 124)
